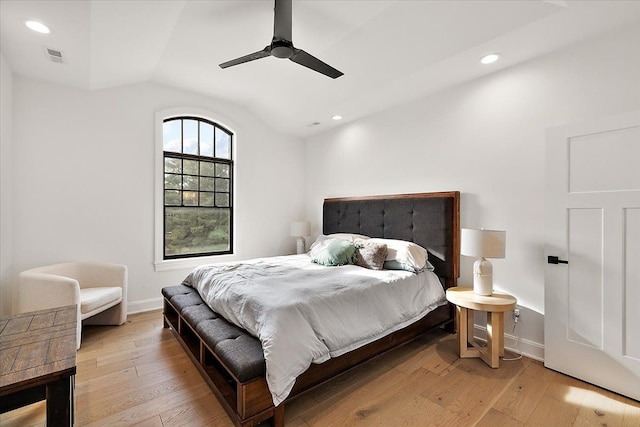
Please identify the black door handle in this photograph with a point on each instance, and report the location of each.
(554, 260)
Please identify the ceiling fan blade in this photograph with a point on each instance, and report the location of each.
(282, 20)
(303, 58)
(251, 57)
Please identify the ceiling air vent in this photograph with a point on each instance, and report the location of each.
(53, 55)
(310, 125)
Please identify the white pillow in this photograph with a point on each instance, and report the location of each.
(321, 242)
(341, 236)
(348, 236)
(406, 253)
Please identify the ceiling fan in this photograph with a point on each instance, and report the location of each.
(282, 47)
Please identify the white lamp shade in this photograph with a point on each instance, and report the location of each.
(483, 243)
(300, 228)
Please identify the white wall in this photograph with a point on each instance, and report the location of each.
(83, 180)
(6, 190)
(485, 139)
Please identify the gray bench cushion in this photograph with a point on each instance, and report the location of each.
(197, 313)
(171, 291)
(180, 302)
(239, 351)
(243, 355)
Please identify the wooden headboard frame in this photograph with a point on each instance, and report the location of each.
(431, 220)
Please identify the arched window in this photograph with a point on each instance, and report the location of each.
(197, 188)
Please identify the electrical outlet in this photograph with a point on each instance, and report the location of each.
(516, 315)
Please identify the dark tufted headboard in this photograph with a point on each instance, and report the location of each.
(431, 220)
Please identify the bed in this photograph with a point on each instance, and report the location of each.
(232, 361)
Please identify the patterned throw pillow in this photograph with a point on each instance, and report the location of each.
(370, 255)
(409, 256)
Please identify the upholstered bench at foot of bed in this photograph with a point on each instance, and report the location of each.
(238, 351)
(228, 355)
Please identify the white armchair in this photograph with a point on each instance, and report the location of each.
(99, 290)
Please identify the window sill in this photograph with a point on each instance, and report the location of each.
(182, 263)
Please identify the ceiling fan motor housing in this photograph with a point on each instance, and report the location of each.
(282, 49)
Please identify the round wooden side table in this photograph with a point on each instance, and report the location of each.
(495, 306)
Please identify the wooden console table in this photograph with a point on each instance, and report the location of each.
(38, 361)
(495, 305)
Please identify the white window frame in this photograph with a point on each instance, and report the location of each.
(161, 264)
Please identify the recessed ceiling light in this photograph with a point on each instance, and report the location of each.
(336, 117)
(490, 58)
(38, 27)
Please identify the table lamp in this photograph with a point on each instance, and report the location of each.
(483, 244)
(300, 229)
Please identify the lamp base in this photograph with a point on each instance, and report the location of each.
(482, 277)
(300, 246)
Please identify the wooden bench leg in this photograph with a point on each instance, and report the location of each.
(278, 416)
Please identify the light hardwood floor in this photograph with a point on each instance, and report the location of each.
(137, 374)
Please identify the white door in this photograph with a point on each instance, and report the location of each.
(592, 214)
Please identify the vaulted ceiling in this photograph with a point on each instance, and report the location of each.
(390, 51)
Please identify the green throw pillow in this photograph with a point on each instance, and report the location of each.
(397, 265)
(336, 252)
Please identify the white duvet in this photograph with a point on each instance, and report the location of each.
(305, 313)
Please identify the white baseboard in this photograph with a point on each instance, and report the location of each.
(528, 348)
(144, 305)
